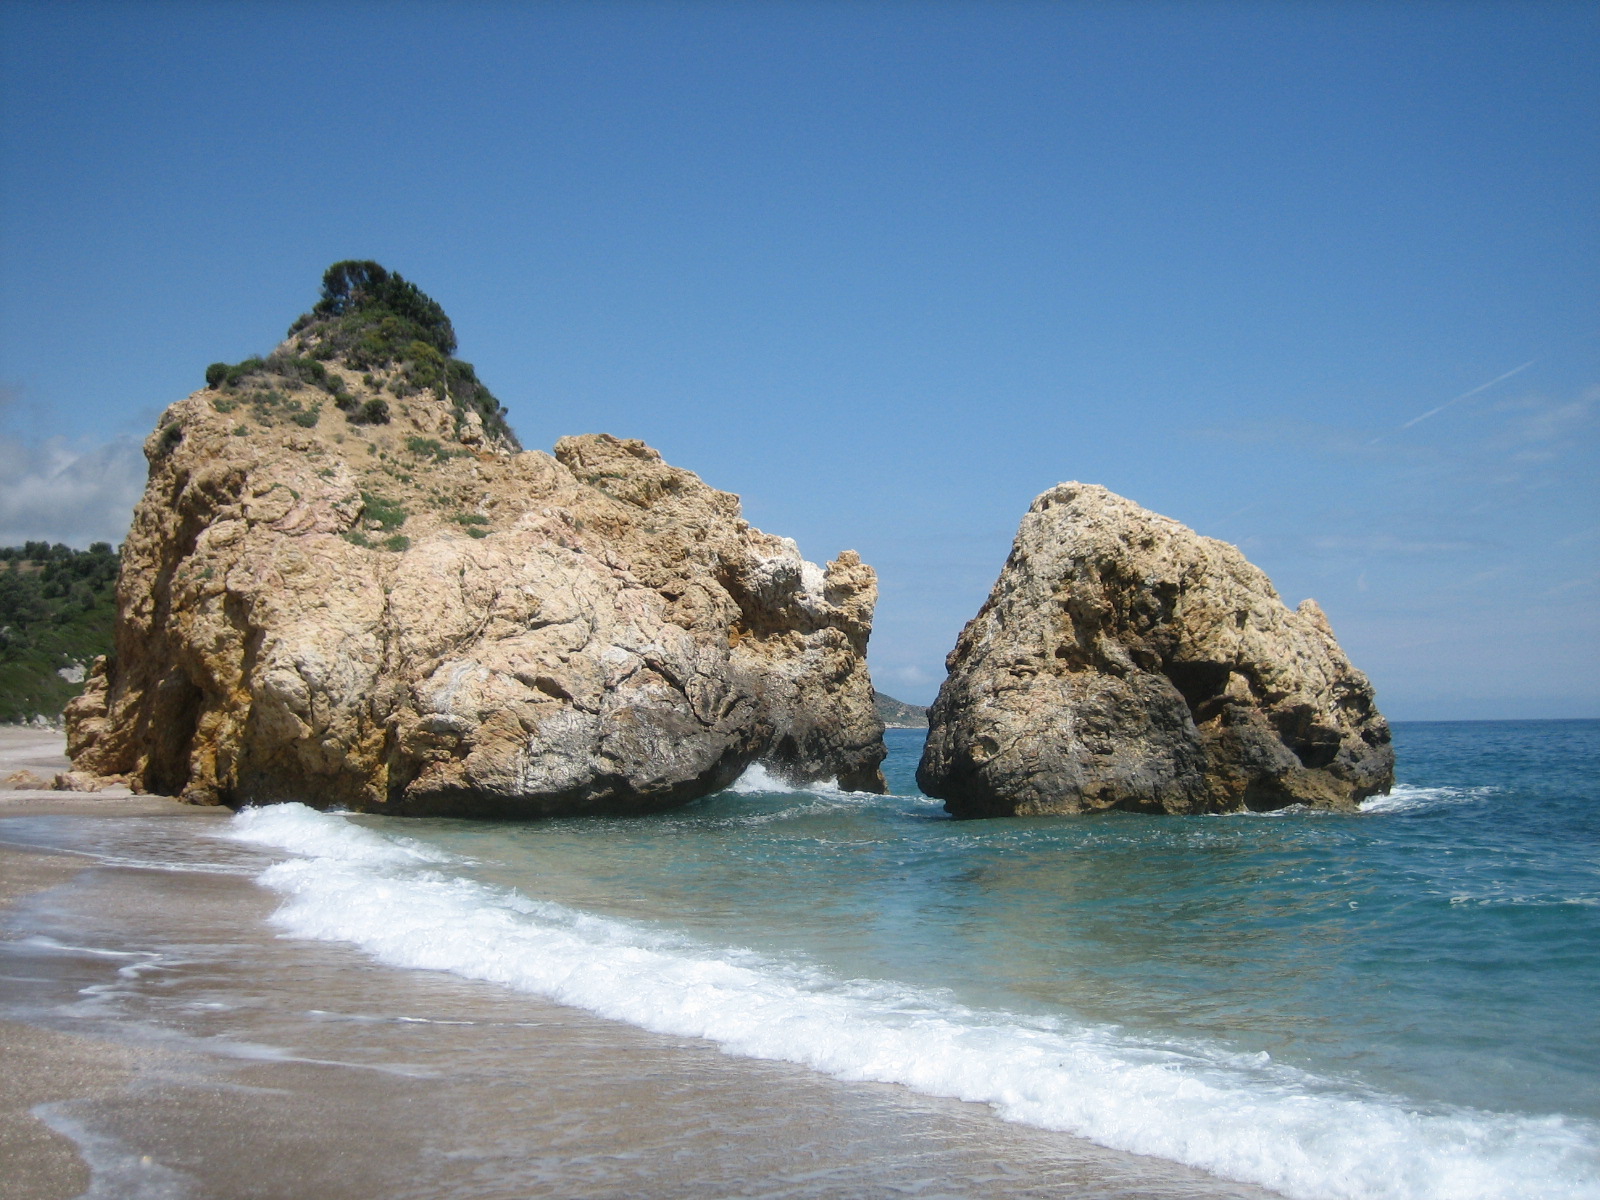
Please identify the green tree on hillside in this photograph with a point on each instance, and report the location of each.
(57, 610)
(365, 288)
(371, 319)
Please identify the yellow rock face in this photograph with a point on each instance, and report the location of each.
(410, 617)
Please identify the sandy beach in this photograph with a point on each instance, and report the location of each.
(43, 1065)
(158, 1040)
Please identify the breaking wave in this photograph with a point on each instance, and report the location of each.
(1243, 1117)
(1406, 798)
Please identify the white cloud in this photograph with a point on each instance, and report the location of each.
(913, 675)
(69, 491)
(1536, 420)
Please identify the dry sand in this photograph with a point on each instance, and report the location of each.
(42, 752)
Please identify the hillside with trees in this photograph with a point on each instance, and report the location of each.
(897, 714)
(57, 609)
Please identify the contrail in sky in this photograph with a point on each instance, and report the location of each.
(1482, 387)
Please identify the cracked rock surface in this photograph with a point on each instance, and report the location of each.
(414, 618)
(1124, 661)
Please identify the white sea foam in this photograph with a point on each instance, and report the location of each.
(1406, 798)
(285, 827)
(1288, 810)
(1242, 1117)
(1539, 901)
(814, 799)
(757, 778)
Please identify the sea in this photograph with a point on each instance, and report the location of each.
(815, 993)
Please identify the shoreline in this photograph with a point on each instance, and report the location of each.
(315, 1004)
(44, 1066)
(356, 1079)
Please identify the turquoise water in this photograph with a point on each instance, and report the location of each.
(1400, 1002)
(1443, 945)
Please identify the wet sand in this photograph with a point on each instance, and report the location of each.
(42, 1065)
(175, 1048)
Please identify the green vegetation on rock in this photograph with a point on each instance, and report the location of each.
(265, 376)
(432, 448)
(373, 412)
(374, 321)
(371, 319)
(57, 608)
(386, 514)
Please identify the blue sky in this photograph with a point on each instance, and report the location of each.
(887, 271)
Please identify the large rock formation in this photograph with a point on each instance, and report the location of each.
(1124, 661)
(396, 610)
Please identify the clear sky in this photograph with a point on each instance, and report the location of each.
(887, 271)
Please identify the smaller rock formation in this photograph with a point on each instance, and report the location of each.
(1124, 661)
